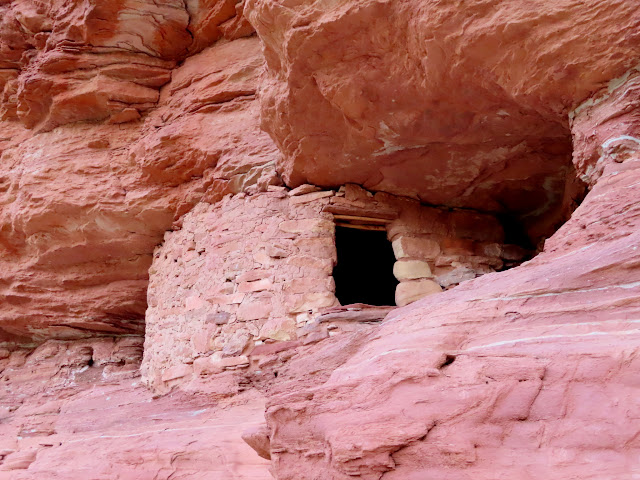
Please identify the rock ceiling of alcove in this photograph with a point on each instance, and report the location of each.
(459, 105)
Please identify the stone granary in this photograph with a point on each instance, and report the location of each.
(319, 239)
(298, 266)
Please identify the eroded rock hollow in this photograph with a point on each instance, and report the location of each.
(318, 240)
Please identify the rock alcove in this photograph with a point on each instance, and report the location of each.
(314, 259)
(435, 248)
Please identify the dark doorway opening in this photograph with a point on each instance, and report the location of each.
(364, 273)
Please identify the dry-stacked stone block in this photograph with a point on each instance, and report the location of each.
(439, 248)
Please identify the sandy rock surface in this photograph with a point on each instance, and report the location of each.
(72, 410)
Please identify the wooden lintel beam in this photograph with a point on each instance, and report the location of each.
(368, 212)
(362, 219)
(377, 228)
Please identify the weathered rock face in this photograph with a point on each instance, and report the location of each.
(78, 229)
(85, 205)
(525, 373)
(140, 194)
(78, 410)
(70, 61)
(94, 61)
(461, 105)
(204, 138)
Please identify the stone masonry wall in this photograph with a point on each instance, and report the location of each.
(239, 273)
(437, 249)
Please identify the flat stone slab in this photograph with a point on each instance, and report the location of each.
(358, 312)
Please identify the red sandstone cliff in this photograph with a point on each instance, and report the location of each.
(170, 185)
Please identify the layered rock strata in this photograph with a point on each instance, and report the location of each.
(83, 206)
(101, 61)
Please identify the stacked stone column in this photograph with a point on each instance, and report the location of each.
(437, 249)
